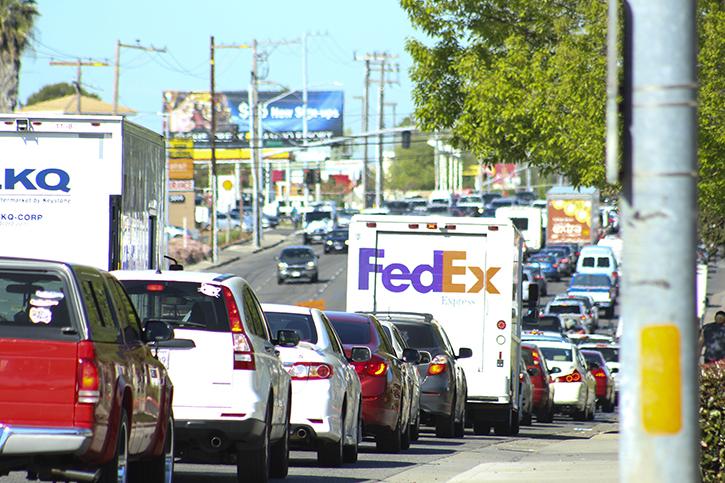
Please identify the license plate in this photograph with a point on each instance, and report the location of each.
(296, 274)
(163, 356)
(338, 246)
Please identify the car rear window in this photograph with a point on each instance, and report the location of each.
(588, 262)
(610, 354)
(300, 323)
(190, 305)
(32, 303)
(419, 336)
(590, 280)
(557, 354)
(602, 262)
(353, 332)
(565, 309)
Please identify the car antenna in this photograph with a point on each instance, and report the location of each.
(175, 266)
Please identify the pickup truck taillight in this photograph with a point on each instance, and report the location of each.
(87, 382)
(243, 351)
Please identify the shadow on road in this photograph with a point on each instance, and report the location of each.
(198, 477)
(361, 464)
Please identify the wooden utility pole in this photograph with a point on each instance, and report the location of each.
(212, 144)
(117, 67)
(78, 64)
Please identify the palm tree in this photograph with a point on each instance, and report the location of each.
(16, 24)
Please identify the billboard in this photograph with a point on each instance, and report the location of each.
(189, 117)
(570, 221)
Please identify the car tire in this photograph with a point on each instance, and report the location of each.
(526, 419)
(389, 441)
(592, 412)
(280, 281)
(609, 312)
(315, 278)
(481, 428)
(510, 427)
(608, 406)
(415, 428)
(279, 457)
(546, 415)
(305, 240)
(116, 470)
(350, 451)
(253, 465)
(459, 427)
(330, 453)
(445, 425)
(159, 469)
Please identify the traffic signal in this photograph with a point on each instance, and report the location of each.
(405, 139)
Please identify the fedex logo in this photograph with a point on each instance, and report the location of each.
(446, 269)
(46, 179)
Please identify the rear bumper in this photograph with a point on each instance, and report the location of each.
(18, 440)
(247, 433)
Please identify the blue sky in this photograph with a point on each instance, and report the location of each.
(89, 29)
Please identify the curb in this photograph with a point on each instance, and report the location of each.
(261, 249)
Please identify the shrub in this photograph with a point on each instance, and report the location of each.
(712, 422)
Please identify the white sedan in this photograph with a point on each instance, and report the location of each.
(326, 396)
(574, 386)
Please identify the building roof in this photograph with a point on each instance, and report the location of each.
(67, 105)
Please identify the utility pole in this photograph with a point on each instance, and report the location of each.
(365, 113)
(381, 126)
(78, 64)
(213, 174)
(117, 67)
(254, 142)
(659, 416)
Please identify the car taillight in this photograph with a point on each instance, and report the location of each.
(573, 377)
(583, 317)
(598, 373)
(305, 371)
(555, 265)
(564, 260)
(615, 275)
(375, 367)
(438, 365)
(242, 346)
(88, 379)
(538, 277)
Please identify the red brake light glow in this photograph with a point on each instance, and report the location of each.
(413, 226)
(88, 380)
(371, 224)
(154, 287)
(431, 226)
(438, 365)
(235, 320)
(450, 227)
(573, 377)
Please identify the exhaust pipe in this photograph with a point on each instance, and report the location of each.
(215, 442)
(75, 475)
(301, 433)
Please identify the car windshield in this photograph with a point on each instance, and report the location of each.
(339, 233)
(191, 305)
(610, 354)
(296, 254)
(32, 300)
(592, 357)
(557, 354)
(352, 333)
(318, 215)
(590, 280)
(565, 309)
(419, 336)
(542, 258)
(302, 324)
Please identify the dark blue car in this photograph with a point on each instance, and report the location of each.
(549, 266)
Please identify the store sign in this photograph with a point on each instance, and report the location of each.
(177, 198)
(181, 185)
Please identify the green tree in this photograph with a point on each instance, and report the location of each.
(413, 168)
(54, 91)
(16, 25)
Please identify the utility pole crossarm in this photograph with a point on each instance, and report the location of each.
(78, 64)
(117, 66)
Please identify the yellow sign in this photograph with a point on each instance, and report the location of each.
(227, 185)
(180, 148)
(660, 379)
(181, 168)
(472, 170)
(231, 154)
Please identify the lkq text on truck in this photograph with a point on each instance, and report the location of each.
(466, 272)
(81, 189)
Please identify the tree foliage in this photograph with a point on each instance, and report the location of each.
(525, 80)
(413, 168)
(54, 91)
(16, 25)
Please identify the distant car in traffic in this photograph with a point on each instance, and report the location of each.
(605, 382)
(543, 395)
(610, 352)
(588, 302)
(549, 265)
(573, 313)
(599, 287)
(297, 263)
(336, 241)
(526, 389)
(595, 259)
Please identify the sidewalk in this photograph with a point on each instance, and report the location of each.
(237, 251)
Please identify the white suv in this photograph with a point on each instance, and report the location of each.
(232, 396)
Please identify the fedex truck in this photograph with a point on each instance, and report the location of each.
(81, 189)
(466, 272)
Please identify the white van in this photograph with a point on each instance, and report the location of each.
(528, 221)
(598, 259)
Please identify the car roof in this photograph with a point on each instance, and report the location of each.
(555, 344)
(287, 309)
(174, 276)
(296, 247)
(596, 249)
(347, 316)
(407, 317)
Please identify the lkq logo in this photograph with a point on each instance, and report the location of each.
(51, 179)
(445, 272)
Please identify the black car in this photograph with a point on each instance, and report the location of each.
(443, 388)
(336, 240)
(297, 262)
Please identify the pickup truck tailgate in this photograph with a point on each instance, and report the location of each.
(37, 382)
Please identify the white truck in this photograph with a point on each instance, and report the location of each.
(466, 272)
(82, 189)
(527, 219)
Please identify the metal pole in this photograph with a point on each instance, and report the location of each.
(659, 414)
(381, 126)
(612, 145)
(212, 143)
(365, 112)
(116, 75)
(78, 91)
(254, 148)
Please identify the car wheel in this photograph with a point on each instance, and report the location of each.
(280, 281)
(481, 428)
(445, 423)
(389, 441)
(546, 415)
(592, 411)
(160, 469)
(279, 457)
(254, 465)
(459, 428)
(609, 312)
(510, 427)
(415, 428)
(350, 451)
(526, 419)
(116, 470)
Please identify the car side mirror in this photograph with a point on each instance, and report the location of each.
(614, 369)
(156, 331)
(532, 371)
(360, 354)
(411, 355)
(287, 338)
(464, 353)
(425, 357)
(533, 295)
(554, 370)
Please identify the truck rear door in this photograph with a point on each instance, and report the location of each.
(38, 348)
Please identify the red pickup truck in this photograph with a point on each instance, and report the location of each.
(82, 397)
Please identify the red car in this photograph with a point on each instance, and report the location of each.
(82, 396)
(539, 374)
(386, 396)
(605, 381)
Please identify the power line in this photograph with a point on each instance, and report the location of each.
(117, 68)
(78, 64)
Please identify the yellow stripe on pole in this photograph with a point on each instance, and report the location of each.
(661, 373)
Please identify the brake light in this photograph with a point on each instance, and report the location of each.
(431, 226)
(599, 373)
(371, 224)
(538, 277)
(438, 365)
(413, 226)
(154, 287)
(583, 317)
(564, 260)
(615, 275)
(88, 381)
(573, 377)
(306, 371)
(243, 351)
(235, 320)
(375, 367)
